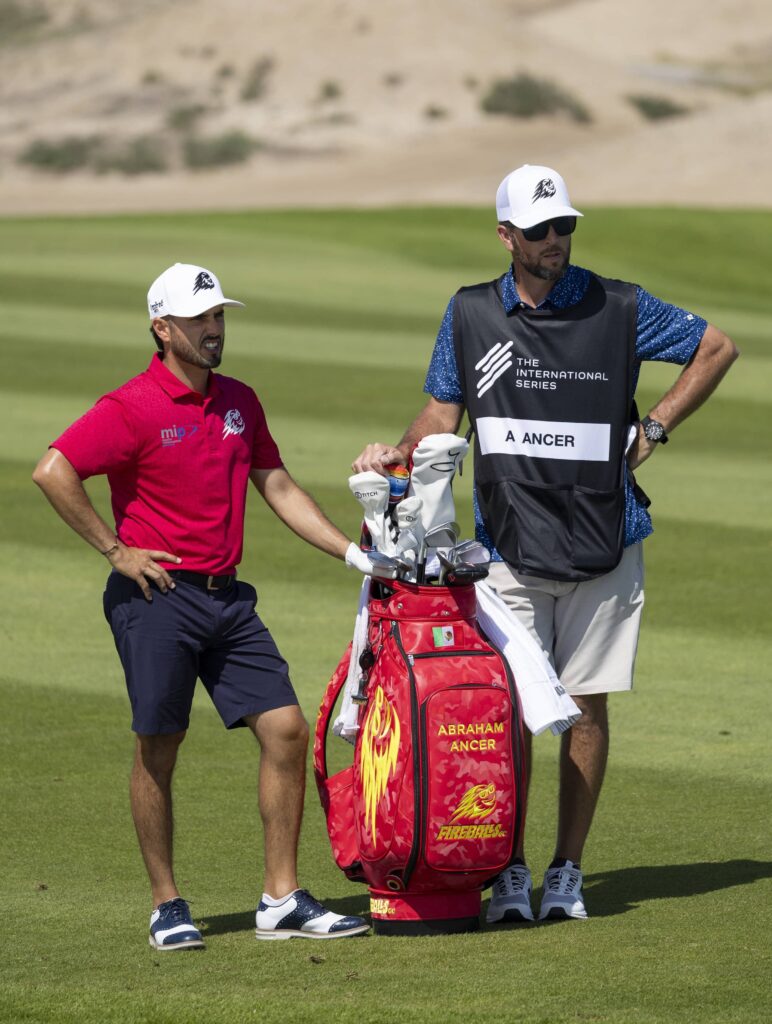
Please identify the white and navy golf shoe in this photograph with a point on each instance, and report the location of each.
(562, 897)
(171, 927)
(300, 916)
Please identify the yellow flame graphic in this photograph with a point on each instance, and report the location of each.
(378, 753)
(477, 802)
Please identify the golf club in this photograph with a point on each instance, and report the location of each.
(471, 551)
(445, 535)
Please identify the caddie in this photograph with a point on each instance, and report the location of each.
(545, 359)
(179, 444)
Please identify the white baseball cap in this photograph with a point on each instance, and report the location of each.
(531, 195)
(185, 290)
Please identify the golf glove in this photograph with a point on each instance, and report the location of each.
(358, 559)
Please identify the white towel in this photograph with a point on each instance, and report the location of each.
(545, 703)
(346, 725)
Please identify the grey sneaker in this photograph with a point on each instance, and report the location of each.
(511, 896)
(562, 894)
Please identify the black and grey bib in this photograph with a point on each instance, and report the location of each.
(549, 393)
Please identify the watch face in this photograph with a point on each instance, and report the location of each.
(652, 429)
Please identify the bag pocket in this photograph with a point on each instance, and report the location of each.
(597, 529)
(468, 777)
(529, 525)
(337, 796)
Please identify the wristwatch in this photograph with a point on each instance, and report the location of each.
(653, 430)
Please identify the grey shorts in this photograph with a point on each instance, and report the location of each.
(589, 630)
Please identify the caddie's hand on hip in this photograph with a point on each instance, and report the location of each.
(375, 456)
(140, 565)
(640, 449)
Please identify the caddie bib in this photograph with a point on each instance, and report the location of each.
(549, 393)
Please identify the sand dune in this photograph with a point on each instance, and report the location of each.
(367, 105)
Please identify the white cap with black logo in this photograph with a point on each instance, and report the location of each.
(185, 290)
(531, 195)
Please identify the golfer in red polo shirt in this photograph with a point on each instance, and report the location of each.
(179, 445)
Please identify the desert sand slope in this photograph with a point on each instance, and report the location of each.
(357, 104)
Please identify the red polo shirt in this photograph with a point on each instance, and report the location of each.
(177, 462)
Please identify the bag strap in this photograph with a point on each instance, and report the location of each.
(334, 687)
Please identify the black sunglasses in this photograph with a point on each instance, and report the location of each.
(562, 226)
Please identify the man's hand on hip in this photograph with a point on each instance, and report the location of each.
(640, 449)
(140, 565)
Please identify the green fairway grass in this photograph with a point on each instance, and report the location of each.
(342, 311)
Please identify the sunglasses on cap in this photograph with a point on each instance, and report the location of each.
(562, 226)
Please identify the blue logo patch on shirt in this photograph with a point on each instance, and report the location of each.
(173, 435)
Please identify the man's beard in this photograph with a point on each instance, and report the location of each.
(184, 351)
(536, 269)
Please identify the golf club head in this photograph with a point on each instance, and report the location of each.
(405, 566)
(383, 566)
(445, 535)
(464, 573)
(471, 551)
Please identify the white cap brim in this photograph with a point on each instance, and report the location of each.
(531, 219)
(196, 308)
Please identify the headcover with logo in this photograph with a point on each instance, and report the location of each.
(185, 290)
(435, 460)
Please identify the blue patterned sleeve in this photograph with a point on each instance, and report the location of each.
(666, 333)
(442, 380)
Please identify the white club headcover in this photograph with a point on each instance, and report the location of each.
(435, 461)
(408, 515)
(371, 490)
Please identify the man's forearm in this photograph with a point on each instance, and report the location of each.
(698, 380)
(298, 510)
(61, 485)
(435, 418)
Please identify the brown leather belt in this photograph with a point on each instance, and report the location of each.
(201, 580)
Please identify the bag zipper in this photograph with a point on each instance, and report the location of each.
(417, 795)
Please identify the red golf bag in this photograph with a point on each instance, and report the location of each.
(434, 803)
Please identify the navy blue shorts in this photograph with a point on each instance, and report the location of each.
(186, 634)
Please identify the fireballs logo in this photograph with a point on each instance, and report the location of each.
(378, 754)
(233, 423)
(477, 803)
(203, 281)
(544, 190)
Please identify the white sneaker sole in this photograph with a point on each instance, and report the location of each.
(558, 912)
(510, 915)
(191, 944)
(295, 933)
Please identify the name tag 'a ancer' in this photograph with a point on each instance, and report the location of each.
(544, 439)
